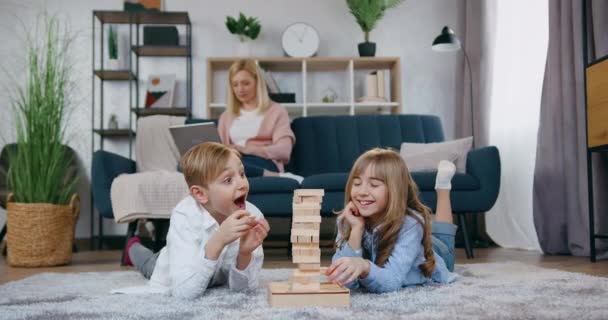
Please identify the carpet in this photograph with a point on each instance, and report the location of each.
(485, 291)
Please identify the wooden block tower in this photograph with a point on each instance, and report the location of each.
(304, 287)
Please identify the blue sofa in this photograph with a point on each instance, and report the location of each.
(326, 148)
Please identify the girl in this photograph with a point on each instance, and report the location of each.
(255, 125)
(386, 239)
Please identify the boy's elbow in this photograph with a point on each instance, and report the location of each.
(182, 294)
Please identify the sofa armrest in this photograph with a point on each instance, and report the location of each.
(105, 167)
(484, 165)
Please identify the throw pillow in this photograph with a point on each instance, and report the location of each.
(426, 156)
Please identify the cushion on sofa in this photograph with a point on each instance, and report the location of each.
(333, 143)
(328, 181)
(272, 185)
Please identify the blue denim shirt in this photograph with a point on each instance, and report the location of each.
(401, 269)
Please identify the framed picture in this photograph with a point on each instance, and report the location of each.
(142, 5)
(159, 92)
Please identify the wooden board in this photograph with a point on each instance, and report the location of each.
(306, 219)
(330, 295)
(309, 192)
(597, 104)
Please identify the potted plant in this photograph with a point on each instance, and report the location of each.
(368, 13)
(112, 48)
(246, 28)
(42, 209)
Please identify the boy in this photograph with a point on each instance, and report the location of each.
(215, 235)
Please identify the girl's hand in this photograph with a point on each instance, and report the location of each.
(346, 269)
(351, 215)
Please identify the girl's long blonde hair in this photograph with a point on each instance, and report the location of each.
(233, 105)
(389, 167)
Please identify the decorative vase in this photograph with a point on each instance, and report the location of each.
(243, 49)
(113, 64)
(113, 122)
(367, 49)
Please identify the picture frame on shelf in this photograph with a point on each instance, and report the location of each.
(160, 89)
(142, 5)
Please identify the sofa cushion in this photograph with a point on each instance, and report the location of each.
(327, 144)
(336, 182)
(327, 181)
(272, 185)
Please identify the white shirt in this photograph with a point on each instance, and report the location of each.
(245, 127)
(182, 269)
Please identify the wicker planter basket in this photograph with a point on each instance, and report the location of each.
(40, 234)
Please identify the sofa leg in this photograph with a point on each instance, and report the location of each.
(465, 235)
(130, 234)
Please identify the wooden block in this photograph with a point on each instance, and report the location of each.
(303, 279)
(313, 286)
(329, 294)
(307, 199)
(309, 266)
(307, 206)
(309, 273)
(303, 239)
(309, 192)
(306, 226)
(306, 259)
(305, 232)
(306, 219)
(311, 199)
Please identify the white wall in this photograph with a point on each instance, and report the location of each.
(428, 78)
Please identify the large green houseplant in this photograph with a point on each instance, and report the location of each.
(368, 13)
(42, 210)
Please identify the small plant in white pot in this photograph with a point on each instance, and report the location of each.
(368, 13)
(42, 209)
(247, 29)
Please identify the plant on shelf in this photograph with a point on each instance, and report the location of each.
(368, 13)
(245, 27)
(42, 208)
(112, 48)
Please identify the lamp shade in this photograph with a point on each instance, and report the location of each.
(446, 41)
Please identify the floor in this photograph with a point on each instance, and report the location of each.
(88, 261)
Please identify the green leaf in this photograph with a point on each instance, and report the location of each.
(367, 13)
(244, 27)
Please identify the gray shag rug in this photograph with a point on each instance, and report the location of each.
(485, 291)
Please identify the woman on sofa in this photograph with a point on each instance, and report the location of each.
(255, 125)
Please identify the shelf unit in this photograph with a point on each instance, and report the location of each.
(131, 74)
(596, 111)
(305, 68)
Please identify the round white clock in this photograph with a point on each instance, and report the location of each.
(300, 40)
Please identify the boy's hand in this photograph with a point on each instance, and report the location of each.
(346, 269)
(351, 215)
(235, 226)
(254, 237)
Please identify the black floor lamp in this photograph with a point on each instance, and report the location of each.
(447, 41)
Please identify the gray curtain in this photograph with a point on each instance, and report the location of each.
(560, 178)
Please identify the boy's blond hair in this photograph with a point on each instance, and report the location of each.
(203, 163)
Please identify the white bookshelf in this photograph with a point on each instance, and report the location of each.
(301, 75)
